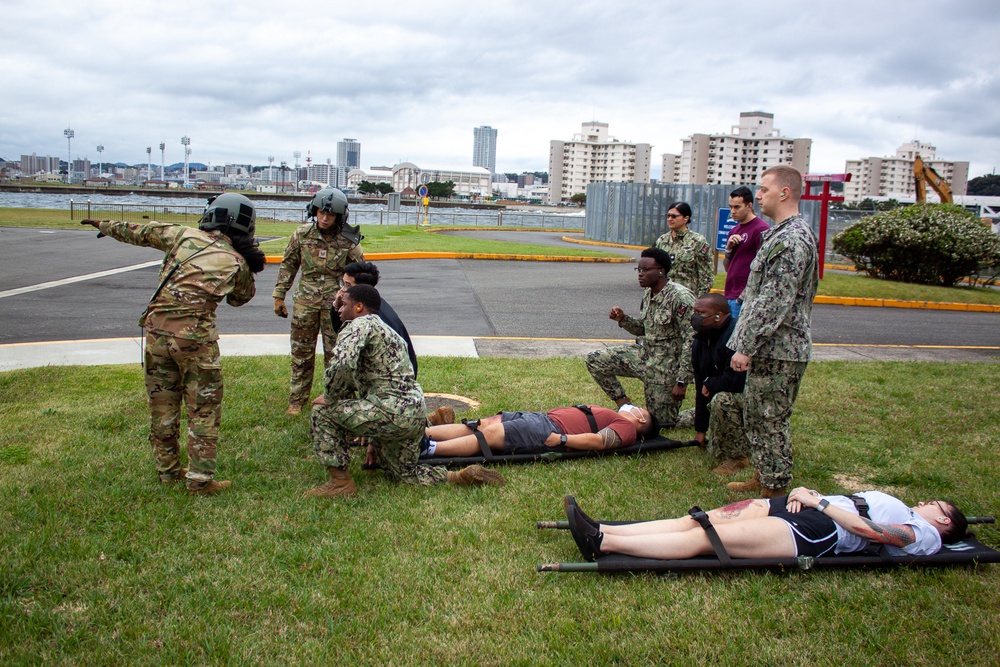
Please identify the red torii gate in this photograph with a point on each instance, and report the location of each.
(825, 198)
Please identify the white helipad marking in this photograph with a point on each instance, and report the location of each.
(76, 279)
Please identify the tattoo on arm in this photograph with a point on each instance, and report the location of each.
(609, 439)
(893, 534)
(732, 510)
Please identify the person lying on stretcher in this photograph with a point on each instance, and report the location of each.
(559, 429)
(803, 523)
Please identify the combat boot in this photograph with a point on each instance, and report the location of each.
(773, 493)
(168, 478)
(209, 488)
(443, 415)
(340, 484)
(730, 467)
(752, 486)
(474, 476)
(294, 408)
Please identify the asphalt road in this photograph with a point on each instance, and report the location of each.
(434, 297)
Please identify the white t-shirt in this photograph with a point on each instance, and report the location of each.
(884, 509)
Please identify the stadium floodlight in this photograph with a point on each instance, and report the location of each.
(100, 163)
(69, 134)
(186, 142)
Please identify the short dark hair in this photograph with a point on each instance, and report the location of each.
(682, 207)
(954, 531)
(366, 295)
(744, 193)
(364, 273)
(786, 177)
(658, 255)
(717, 301)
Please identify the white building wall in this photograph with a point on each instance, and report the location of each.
(593, 156)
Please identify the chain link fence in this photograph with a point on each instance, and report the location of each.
(188, 214)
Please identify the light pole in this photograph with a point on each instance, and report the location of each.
(100, 160)
(284, 168)
(297, 155)
(329, 171)
(186, 142)
(69, 134)
(149, 163)
(163, 162)
(270, 170)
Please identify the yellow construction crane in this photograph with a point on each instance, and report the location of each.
(925, 176)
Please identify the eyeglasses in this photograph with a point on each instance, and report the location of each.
(644, 269)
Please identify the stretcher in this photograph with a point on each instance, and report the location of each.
(486, 455)
(969, 551)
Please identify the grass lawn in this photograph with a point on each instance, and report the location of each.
(101, 565)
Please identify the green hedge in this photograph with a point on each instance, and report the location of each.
(930, 244)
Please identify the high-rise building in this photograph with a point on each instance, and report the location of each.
(39, 164)
(333, 175)
(349, 154)
(594, 157)
(484, 148)
(742, 156)
(893, 176)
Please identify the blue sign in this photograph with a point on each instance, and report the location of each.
(422, 191)
(726, 223)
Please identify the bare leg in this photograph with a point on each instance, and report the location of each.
(764, 537)
(741, 510)
(468, 445)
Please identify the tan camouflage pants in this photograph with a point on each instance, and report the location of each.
(770, 392)
(727, 438)
(190, 371)
(610, 363)
(307, 323)
(395, 434)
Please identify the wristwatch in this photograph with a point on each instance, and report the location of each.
(562, 439)
(823, 504)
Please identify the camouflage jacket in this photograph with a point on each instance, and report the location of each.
(322, 258)
(690, 260)
(778, 299)
(370, 361)
(208, 271)
(664, 330)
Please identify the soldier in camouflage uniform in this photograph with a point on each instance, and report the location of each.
(772, 339)
(321, 252)
(690, 255)
(661, 357)
(201, 268)
(370, 392)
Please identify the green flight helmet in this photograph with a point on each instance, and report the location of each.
(227, 212)
(330, 200)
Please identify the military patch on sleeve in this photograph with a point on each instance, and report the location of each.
(682, 310)
(776, 250)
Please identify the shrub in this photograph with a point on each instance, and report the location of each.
(930, 244)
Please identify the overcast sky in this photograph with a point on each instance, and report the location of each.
(411, 80)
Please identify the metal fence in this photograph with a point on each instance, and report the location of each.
(635, 213)
(363, 216)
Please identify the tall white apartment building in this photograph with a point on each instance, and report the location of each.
(893, 176)
(753, 146)
(484, 148)
(593, 156)
(349, 154)
(331, 174)
(671, 168)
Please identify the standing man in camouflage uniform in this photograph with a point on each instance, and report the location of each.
(772, 339)
(370, 392)
(661, 357)
(690, 255)
(321, 251)
(201, 268)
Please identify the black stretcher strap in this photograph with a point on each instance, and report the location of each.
(873, 548)
(585, 409)
(483, 447)
(701, 517)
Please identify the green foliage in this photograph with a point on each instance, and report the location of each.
(440, 190)
(580, 199)
(984, 186)
(366, 188)
(869, 204)
(383, 188)
(930, 244)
